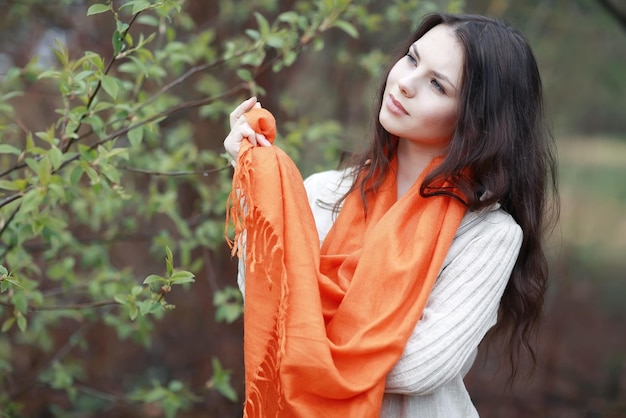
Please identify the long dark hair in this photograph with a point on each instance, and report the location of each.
(501, 151)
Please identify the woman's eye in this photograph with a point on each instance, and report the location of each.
(411, 58)
(437, 86)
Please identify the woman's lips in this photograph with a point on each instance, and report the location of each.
(395, 106)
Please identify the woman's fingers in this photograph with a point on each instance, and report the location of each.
(232, 143)
(241, 109)
(263, 141)
(240, 129)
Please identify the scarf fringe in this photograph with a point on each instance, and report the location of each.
(256, 239)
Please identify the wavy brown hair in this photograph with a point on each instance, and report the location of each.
(502, 146)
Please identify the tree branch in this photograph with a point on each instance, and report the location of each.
(72, 341)
(175, 173)
(4, 228)
(98, 86)
(69, 307)
(183, 106)
(186, 75)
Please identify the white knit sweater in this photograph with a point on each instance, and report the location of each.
(427, 381)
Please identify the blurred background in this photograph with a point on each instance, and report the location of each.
(323, 104)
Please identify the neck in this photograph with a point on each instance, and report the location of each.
(412, 160)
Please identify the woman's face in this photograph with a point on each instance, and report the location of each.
(421, 98)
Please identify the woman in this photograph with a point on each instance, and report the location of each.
(460, 163)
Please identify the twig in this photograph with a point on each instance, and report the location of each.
(101, 395)
(4, 228)
(76, 306)
(71, 342)
(98, 86)
(175, 173)
(165, 113)
(185, 76)
(125, 130)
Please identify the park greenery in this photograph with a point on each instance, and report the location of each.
(113, 184)
(109, 165)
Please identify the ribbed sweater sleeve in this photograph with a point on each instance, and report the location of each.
(462, 306)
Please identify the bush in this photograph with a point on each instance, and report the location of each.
(127, 171)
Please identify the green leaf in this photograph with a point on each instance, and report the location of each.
(135, 136)
(121, 299)
(148, 20)
(10, 95)
(75, 175)
(275, 41)
(175, 386)
(110, 172)
(140, 6)
(9, 185)
(61, 52)
(49, 74)
(7, 324)
(13, 282)
(153, 278)
(253, 34)
(244, 74)
(9, 149)
(92, 174)
(118, 42)
(87, 154)
(289, 17)
(109, 84)
(133, 311)
(264, 26)
(31, 201)
(98, 8)
(289, 58)
(169, 261)
(21, 322)
(118, 152)
(181, 277)
(221, 381)
(347, 28)
(20, 302)
(44, 171)
(136, 291)
(228, 313)
(56, 157)
(149, 307)
(121, 26)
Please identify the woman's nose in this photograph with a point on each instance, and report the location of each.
(406, 85)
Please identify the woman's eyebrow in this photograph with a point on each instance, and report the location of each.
(435, 73)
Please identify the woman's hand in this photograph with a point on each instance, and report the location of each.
(240, 129)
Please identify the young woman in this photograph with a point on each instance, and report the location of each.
(438, 236)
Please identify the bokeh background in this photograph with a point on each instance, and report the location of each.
(581, 49)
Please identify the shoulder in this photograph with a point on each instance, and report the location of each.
(485, 233)
(493, 218)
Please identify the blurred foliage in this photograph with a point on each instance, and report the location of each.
(116, 163)
(581, 50)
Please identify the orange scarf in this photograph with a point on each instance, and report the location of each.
(322, 328)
